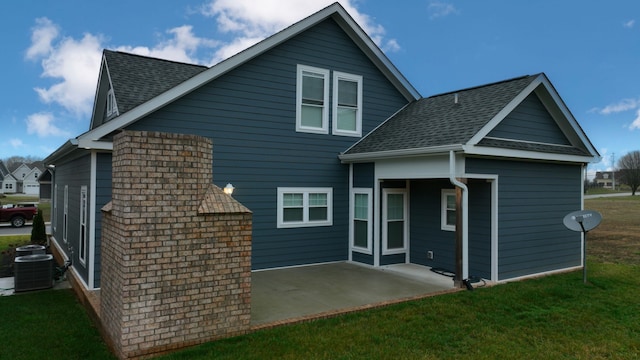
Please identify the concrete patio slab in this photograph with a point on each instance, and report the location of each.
(289, 294)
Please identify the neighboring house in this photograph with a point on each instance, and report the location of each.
(45, 185)
(340, 159)
(606, 179)
(30, 184)
(8, 183)
(20, 174)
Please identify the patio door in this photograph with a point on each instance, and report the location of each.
(394, 221)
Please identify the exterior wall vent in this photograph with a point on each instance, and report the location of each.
(33, 272)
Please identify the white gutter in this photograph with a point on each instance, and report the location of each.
(465, 214)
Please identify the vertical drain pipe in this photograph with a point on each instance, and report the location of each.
(465, 219)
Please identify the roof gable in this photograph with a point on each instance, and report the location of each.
(135, 79)
(530, 121)
(442, 120)
(335, 11)
(483, 120)
(21, 171)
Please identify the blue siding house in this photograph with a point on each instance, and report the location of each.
(340, 159)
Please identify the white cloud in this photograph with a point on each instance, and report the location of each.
(629, 24)
(252, 21)
(43, 34)
(183, 46)
(73, 64)
(620, 106)
(42, 125)
(16, 143)
(438, 9)
(636, 123)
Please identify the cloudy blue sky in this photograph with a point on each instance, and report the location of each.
(590, 50)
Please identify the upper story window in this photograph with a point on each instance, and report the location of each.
(312, 113)
(312, 102)
(111, 103)
(347, 104)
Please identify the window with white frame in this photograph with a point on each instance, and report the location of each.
(394, 221)
(111, 103)
(312, 100)
(448, 206)
(55, 207)
(347, 104)
(83, 224)
(65, 218)
(362, 213)
(303, 207)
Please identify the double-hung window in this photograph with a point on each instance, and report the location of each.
(302, 207)
(362, 213)
(347, 104)
(65, 219)
(83, 224)
(312, 94)
(448, 210)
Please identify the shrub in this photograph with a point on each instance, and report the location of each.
(38, 230)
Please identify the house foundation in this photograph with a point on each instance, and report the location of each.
(176, 250)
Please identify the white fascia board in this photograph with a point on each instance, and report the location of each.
(237, 60)
(527, 155)
(95, 145)
(505, 111)
(349, 158)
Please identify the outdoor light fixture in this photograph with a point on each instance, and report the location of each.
(228, 189)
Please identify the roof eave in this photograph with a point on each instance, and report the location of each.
(529, 155)
(65, 149)
(403, 153)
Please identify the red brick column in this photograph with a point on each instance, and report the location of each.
(176, 250)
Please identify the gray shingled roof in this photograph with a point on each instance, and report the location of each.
(439, 121)
(137, 79)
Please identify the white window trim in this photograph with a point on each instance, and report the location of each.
(305, 222)
(112, 107)
(65, 221)
(83, 241)
(325, 110)
(350, 77)
(55, 207)
(443, 209)
(385, 240)
(369, 249)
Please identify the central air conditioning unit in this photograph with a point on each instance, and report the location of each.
(29, 250)
(33, 272)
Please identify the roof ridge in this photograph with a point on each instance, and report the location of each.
(484, 85)
(154, 58)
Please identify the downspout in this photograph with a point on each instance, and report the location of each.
(465, 219)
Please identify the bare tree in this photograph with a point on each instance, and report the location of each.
(629, 169)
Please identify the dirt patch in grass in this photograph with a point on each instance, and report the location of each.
(617, 239)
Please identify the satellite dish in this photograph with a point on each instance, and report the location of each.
(583, 220)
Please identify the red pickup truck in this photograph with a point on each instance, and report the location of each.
(18, 214)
